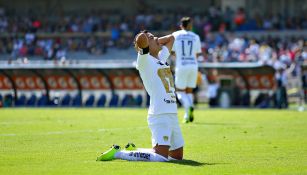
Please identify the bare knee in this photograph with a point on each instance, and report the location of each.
(189, 90)
(162, 150)
(180, 90)
(177, 153)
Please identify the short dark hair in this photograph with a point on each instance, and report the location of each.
(185, 21)
(144, 31)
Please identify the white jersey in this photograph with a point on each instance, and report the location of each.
(186, 46)
(158, 81)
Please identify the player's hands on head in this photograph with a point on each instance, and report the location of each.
(142, 41)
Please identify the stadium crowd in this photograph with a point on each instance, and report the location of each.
(52, 36)
(266, 50)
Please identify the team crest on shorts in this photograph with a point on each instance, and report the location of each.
(165, 138)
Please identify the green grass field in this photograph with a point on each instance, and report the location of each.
(67, 141)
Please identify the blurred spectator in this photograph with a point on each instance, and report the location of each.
(213, 88)
(28, 35)
(240, 17)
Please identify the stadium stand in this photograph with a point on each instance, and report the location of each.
(21, 101)
(31, 101)
(90, 101)
(230, 33)
(66, 100)
(42, 101)
(114, 100)
(139, 100)
(1, 100)
(101, 101)
(77, 101)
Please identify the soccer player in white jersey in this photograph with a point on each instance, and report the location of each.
(167, 140)
(187, 48)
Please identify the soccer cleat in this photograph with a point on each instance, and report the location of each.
(191, 115)
(109, 154)
(130, 147)
(185, 121)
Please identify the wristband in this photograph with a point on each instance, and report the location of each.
(144, 51)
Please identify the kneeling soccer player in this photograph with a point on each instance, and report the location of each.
(167, 140)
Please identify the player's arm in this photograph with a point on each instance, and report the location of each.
(167, 41)
(199, 53)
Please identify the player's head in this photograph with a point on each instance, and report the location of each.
(186, 23)
(154, 46)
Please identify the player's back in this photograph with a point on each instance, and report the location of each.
(186, 46)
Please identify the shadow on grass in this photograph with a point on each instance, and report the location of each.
(191, 163)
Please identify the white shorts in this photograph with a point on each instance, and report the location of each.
(186, 77)
(165, 130)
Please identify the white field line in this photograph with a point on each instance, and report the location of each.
(72, 132)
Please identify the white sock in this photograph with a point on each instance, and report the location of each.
(191, 99)
(184, 99)
(186, 116)
(140, 156)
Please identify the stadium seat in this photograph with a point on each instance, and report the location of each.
(139, 100)
(246, 99)
(102, 100)
(66, 100)
(8, 100)
(32, 100)
(42, 101)
(90, 101)
(1, 101)
(77, 101)
(128, 100)
(21, 101)
(54, 102)
(114, 101)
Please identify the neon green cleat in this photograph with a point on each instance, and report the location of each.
(130, 147)
(109, 154)
(185, 121)
(191, 115)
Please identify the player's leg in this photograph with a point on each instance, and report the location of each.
(191, 84)
(115, 152)
(177, 142)
(181, 84)
(189, 92)
(161, 132)
(162, 150)
(157, 154)
(184, 100)
(176, 154)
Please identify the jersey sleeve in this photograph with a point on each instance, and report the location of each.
(141, 61)
(164, 54)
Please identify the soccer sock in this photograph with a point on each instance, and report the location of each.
(140, 156)
(182, 96)
(191, 99)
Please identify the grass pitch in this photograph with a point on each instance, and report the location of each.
(67, 141)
